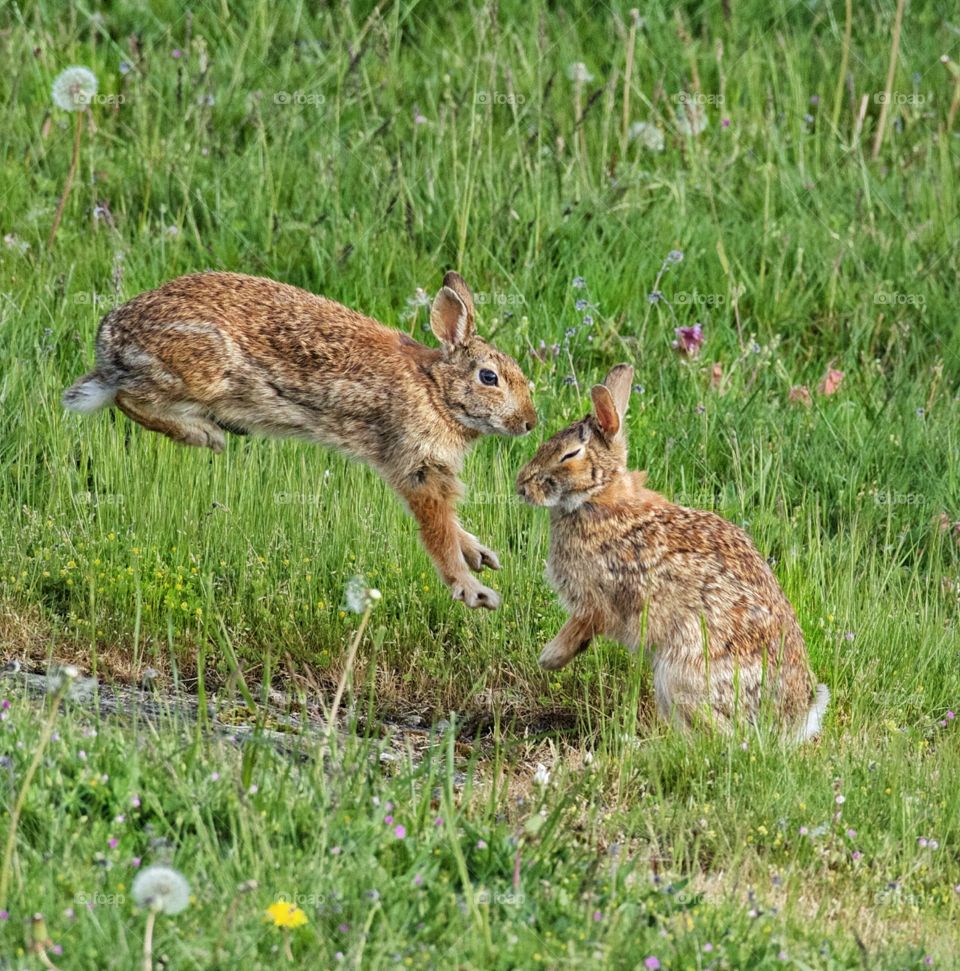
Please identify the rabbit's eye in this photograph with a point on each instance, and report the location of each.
(488, 377)
(571, 455)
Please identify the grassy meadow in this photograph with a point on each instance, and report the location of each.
(768, 170)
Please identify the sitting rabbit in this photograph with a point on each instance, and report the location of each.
(686, 584)
(221, 351)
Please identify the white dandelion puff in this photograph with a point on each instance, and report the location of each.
(161, 889)
(358, 597)
(649, 136)
(542, 775)
(580, 73)
(74, 88)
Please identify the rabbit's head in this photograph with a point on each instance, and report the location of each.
(484, 389)
(587, 456)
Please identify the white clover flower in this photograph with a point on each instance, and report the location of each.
(358, 597)
(74, 88)
(580, 73)
(649, 136)
(161, 888)
(14, 242)
(542, 775)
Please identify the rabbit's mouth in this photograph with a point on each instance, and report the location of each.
(538, 493)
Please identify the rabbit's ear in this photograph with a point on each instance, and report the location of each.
(619, 382)
(449, 318)
(605, 409)
(459, 286)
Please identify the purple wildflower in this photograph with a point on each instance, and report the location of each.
(689, 340)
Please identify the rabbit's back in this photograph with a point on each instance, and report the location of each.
(255, 355)
(273, 324)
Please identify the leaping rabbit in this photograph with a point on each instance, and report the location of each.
(212, 352)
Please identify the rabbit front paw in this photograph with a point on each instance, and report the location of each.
(559, 653)
(474, 594)
(476, 554)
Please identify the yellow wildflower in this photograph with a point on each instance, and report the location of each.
(287, 915)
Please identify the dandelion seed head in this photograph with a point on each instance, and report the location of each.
(579, 72)
(647, 135)
(161, 888)
(358, 597)
(74, 88)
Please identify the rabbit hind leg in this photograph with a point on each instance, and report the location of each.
(182, 421)
(683, 699)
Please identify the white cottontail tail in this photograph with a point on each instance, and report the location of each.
(222, 351)
(685, 584)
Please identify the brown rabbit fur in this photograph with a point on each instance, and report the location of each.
(632, 566)
(222, 351)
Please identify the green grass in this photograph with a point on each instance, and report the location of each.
(801, 252)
